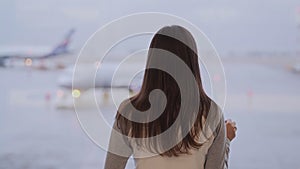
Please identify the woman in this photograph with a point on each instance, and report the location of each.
(197, 139)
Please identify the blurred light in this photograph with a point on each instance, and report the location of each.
(249, 93)
(76, 93)
(60, 93)
(48, 96)
(97, 64)
(28, 62)
(217, 78)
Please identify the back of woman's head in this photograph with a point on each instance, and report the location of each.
(168, 44)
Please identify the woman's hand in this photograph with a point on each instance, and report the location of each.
(230, 129)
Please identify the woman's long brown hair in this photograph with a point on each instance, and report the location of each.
(158, 79)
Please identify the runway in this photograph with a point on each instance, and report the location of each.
(34, 134)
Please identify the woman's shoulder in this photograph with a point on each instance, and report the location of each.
(215, 118)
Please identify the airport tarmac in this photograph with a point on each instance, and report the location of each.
(34, 134)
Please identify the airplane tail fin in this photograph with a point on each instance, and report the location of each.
(62, 47)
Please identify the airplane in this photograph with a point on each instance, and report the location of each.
(103, 76)
(128, 78)
(29, 54)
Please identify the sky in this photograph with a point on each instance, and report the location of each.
(231, 25)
